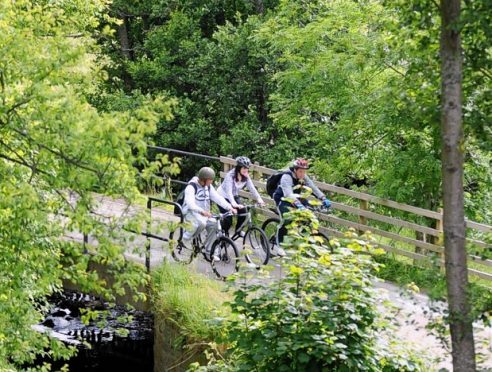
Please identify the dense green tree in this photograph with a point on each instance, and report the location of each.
(414, 44)
(352, 84)
(55, 151)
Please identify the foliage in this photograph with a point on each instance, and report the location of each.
(433, 282)
(352, 84)
(414, 43)
(320, 315)
(187, 300)
(55, 151)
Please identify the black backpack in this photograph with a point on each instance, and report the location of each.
(181, 197)
(273, 181)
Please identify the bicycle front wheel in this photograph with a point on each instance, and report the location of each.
(324, 240)
(228, 262)
(258, 246)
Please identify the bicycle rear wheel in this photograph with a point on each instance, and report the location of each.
(270, 227)
(228, 255)
(256, 241)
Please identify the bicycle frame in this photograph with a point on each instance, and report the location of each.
(247, 222)
(319, 209)
(197, 240)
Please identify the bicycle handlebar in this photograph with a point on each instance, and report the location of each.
(319, 208)
(251, 206)
(221, 216)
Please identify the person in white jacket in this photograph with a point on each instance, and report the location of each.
(237, 179)
(196, 208)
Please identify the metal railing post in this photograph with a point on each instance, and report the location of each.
(148, 227)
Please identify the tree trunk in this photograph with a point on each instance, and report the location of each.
(124, 40)
(125, 45)
(461, 327)
(260, 9)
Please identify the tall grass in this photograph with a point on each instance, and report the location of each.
(186, 300)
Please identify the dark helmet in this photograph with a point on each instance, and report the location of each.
(206, 173)
(300, 163)
(243, 161)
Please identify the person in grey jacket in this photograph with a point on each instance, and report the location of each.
(296, 175)
(237, 179)
(196, 208)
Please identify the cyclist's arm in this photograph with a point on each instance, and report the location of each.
(317, 192)
(286, 183)
(217, 198)
(227, 188)
(189, 200)
(252, 189)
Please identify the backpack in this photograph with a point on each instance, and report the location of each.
(181, 197)
(273, 181)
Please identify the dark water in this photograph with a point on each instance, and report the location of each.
(109, 350)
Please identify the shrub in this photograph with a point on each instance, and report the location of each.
(320, 315)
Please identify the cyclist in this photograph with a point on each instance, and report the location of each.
(237, 179)
(196, 208)
(296, 175)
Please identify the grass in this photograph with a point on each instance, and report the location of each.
(187, 300)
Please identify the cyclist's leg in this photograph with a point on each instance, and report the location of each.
(211, 227)
(283, 208)
(195, 224)
(226, 222)
(242, 211)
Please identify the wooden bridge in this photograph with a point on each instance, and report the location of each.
(411, 233)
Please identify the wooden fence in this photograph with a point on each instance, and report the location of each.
(400, 229)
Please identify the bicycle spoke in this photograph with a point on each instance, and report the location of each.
(228, 257)
(257, 245)
(182, 254)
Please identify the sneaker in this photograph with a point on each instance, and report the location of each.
(280, 252)
(241, 234)
(216, 257)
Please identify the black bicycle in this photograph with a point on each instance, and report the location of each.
(272, 226)
(255, 241)
(228, 256)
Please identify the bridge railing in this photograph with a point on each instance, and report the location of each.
(400, 229)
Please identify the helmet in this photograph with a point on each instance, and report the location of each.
(300, 163)
(206, 173)
(243, 161)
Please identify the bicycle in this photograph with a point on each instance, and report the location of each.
(255, 238)
(272, 226)
(228, 253)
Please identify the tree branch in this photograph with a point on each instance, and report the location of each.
(67, 159)
(24, 163)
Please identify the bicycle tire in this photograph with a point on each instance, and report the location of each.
(270, 228)
(229, 257)
(257, 241)
(326, 240)
(182, 253)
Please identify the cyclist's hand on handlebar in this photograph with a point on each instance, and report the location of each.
(233, 210)
(206, 214)
(326, 203)
(299, 205)
(239, 206)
